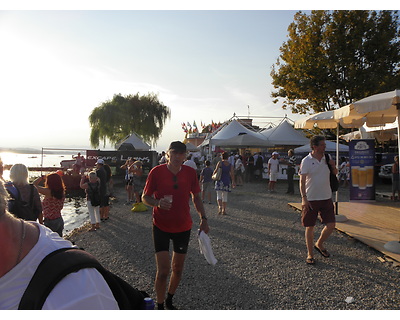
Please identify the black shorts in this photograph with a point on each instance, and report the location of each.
(104, 201)
(180, 240)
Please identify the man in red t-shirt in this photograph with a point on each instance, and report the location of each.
(168, 189)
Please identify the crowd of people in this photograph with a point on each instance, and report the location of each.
(168, 189)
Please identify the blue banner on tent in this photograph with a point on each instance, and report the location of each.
(362, 161)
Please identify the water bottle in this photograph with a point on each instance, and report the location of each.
(148, 304)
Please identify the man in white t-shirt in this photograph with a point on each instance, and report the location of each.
(273, 170)
(316, 197)
(24, 244)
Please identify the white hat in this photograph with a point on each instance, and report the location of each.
(273, 153)
(100, 161)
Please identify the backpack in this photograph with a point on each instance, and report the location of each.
(94, 194)
(18, 207)
(58, 264)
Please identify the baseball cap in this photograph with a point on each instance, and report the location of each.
(273, 153)
(100, 161)
(177, 146)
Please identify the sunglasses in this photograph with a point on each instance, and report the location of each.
(175, 178)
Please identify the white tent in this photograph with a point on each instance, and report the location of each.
(284, 134)
(330, 147)
(191, 147)
(231, 130)
(132, 141)
(245, 140)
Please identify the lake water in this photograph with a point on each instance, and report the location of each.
(75, 212)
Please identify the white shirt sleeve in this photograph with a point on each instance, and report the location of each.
(82, 290)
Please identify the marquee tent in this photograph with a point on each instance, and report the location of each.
(284, 134)
(228, 131)
(132, 142)
(245, 140)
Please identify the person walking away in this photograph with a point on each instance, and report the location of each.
(206, 181)
(225, 184)
(137, 173)
(316, 195)
(273, 170)
(92, 189)
(239, 170)
(20, 185)
(102, 175)
(291, 165)
(109, 186)
(53, 201)
(395, 179)
(189, 162)
(168, 189)
(128, 180)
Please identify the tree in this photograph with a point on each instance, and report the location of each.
(115, 119)
(334, 58)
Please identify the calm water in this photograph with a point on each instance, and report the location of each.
(75, 212)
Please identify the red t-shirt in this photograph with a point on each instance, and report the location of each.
(161, 182)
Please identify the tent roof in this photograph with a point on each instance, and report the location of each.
(330, 147)
(246, 140)
(285, 134)
(135, 141)
(191, 147)
(231, 130)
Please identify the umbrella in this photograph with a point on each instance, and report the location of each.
(375, 110)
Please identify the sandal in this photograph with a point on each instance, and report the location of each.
(310, 261)
(324, 252)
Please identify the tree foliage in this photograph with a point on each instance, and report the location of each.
(332, 58)
(114, 119)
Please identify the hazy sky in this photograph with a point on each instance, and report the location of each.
(56, 66)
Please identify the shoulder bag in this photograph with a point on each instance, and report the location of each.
(334, 182)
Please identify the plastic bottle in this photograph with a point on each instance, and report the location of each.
(148, 304)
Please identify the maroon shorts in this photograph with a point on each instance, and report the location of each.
(324, 207)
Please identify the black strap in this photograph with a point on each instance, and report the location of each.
(58, 264)
(53, 268)
(327, 158)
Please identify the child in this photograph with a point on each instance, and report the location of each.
(206, 181)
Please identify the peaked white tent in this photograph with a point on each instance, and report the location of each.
(330, 147)
(230, 130)
(133, 141)
(284, 134)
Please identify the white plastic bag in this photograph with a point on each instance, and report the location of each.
(205, 247)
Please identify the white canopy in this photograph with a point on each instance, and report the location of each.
(330, 147)
(231, 130)
(284, 134)
(135, 141)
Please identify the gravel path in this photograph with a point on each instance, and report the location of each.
(261, 258)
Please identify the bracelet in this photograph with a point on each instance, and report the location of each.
(304, 196)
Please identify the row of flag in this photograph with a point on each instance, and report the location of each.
(189, 128)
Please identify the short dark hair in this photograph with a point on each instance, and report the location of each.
(315, 140)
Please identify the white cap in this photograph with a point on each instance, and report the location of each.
(273, 153)
(100, 161)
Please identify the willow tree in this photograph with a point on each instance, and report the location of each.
(332, 58)
(114, 119)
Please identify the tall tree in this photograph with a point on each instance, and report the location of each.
(115, 119)
(335, 57)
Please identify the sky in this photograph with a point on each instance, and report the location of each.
(205, 65)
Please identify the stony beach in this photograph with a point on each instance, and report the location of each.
(261, 255)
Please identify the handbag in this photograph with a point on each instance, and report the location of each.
(217, 175)
(333, 180)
